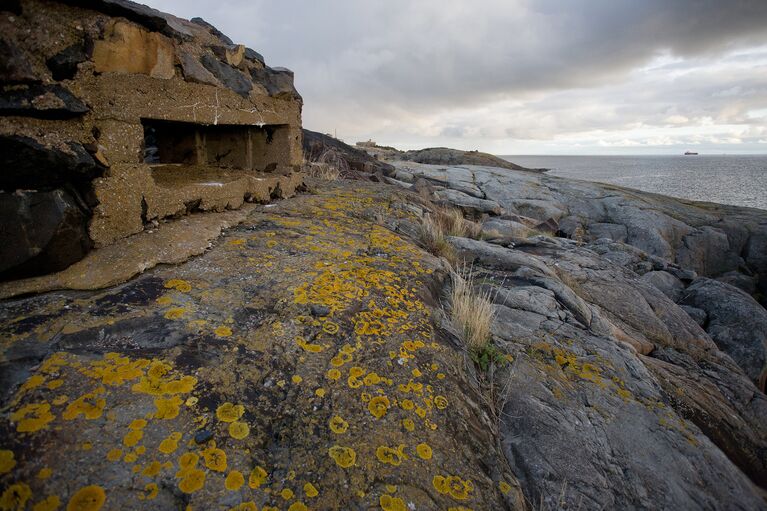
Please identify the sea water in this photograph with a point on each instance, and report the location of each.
(739, 180)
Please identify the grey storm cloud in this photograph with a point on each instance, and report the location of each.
(378, 66)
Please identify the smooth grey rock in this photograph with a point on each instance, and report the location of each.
(745, 283)
(615, 232)
(64, 64)
(42, 101)
(227, 75)
(51, 234)
(14, 65)
(193, 70)
(665, 282)
(28, 164)
(736, 322)
(505, 228)
(213, 30)
(697, 315)
(468, 202)
(277, 81)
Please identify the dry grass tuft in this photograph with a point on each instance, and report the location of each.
(454, 224)
(434, 238)
(471, 311)
(330, 165)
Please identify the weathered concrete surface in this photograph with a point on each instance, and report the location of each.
(294, 365)
(88, 89)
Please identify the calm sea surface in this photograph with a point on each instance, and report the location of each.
(730, 179)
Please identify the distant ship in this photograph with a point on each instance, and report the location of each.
(690, 153)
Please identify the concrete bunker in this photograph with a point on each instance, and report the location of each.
(117, 116)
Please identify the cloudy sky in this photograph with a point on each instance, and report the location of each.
(517, 76)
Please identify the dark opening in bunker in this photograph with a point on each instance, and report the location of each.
(231, 146)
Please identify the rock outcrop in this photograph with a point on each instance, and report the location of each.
(130, 116)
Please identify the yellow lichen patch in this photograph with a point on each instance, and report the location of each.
(234, 480)
(298, 506)
(440, 402)
(167, 408)
(296, 379)
(504, 487)
(237, 242)
(192, 481)
(338, 425)
(164, 300)
(89, 498)
(152, 469)
(286, 493)
(114, 454)
(333, 374)
(320, 392)
(229, 412)
(60, 400)
(115, 369)
(257, 477)
(7, 461)
(137, 424)
(44, 473)
(132, 438)
(378, 406)
(50, 503)
(33, 417)
(389, 503)
(157, 381)
(456, 487)
(170, 444)
(222, 331)
(343, 456)
(178, 284)
(408, 424)
(175, 313)
(239, 430)
(306, 346)
(245, 506)
(310, 490)
(215, 459)
(150, 491)
(459, 508)
(15, 497)
(424, 451)
(391, 455)
(329, 327)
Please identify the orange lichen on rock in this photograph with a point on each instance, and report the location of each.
(229, 412)
(15, 497)
(234, 480)
(7, 461)
(344, 457)
(50, 503)
(89, 498)
(179, 285)
(378, 406)
(167, 408)
(424, 451)
(457, 488)
(215, 458)
(170, 444)
(257, 477)
(239, 430)
(391, 455)
(338, 425)
(33, 417)
(389, 503)
(310, 490)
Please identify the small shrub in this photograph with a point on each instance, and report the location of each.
(472, 316)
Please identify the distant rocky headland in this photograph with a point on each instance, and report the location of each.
(205, 306)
